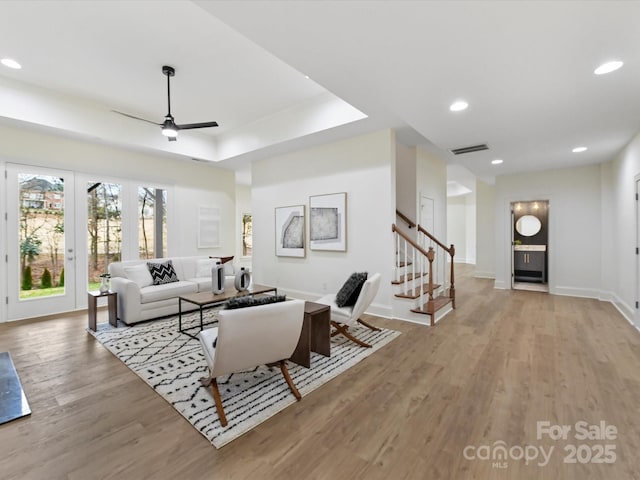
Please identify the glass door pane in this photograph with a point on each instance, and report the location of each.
(104, 228)
(41, 253)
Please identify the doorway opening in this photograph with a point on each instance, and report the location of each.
(530, 245)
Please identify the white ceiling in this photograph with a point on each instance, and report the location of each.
(524, 67)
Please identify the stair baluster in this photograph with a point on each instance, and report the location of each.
(437, 252)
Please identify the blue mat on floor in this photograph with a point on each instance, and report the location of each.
(13, 402)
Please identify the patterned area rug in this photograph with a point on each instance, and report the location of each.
(172, 363)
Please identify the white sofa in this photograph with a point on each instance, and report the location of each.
(139, 300)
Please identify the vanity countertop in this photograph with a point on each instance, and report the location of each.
(530, 248)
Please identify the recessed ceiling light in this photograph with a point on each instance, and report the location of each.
(307, 77)
(608, 67)
(458, 106)
(497, 161)
(11, 63)
(579, 149)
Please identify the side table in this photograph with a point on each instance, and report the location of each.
(315, 335)
(112, 299)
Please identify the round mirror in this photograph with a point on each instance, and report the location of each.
(528, 225)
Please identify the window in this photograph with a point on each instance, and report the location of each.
(152, 222)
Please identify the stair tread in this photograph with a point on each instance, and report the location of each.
(438, 303)
(409, 276)
(425, 289)
(403, 264)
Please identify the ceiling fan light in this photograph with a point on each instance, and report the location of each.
(169, 128)
(169, 132)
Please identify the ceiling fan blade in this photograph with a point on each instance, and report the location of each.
(188, 126)
(135, 118)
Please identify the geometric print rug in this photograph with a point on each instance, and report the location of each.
(173, 363)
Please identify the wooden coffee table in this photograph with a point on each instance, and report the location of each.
(315, 335)
(209, 299)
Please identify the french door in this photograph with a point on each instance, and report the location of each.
(41, 267)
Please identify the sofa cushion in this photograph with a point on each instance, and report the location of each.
(251, 301)
(153, 293)
(204, 267)
(139, 274)
(348, 294)
(162, 272)
(203, 283)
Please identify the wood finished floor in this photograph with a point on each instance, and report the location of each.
(487, 372)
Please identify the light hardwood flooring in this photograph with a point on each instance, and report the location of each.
(487, 372)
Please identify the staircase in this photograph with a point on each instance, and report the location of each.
(423, 271)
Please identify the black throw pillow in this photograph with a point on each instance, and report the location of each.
(249, 301)
(162, 272)
(348, 294)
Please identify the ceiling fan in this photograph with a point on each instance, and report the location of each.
(169, 127)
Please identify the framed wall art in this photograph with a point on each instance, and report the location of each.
(208, 227)
(328, 222)
(290, 227)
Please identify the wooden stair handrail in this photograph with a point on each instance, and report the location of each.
(412, 224)
(440, 244)
(409, 239)
(406, 219)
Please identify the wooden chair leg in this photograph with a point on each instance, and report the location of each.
(369, 326)
(287, 377)
(218, 400)
(344, 330)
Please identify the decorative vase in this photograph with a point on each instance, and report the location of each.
(104, 286)
(243, 279)
(217, 278)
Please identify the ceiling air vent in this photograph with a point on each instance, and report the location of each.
(471, 149)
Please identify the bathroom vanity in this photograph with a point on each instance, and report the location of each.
(529, 263)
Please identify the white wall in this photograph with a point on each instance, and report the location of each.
(485, 230)
(363, 167)
(431, 180)
(189, 184)
(471, 232)
(406, 182)
(461, 226)
(620, 246)
(575, 221)
(457, 225)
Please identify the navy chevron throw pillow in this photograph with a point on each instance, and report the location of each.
(162, 272)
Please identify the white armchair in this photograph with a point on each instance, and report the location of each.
(343, 317)
(251, 336)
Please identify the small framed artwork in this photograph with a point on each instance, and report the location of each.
(290, 227)
(208, 227)
(328, 222)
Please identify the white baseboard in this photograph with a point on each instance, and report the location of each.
(501, 285)
(481, 274)
(625, 310)
(575, 292)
